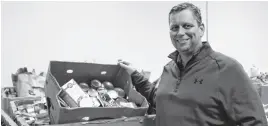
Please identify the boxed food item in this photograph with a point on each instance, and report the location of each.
(96, 94)
(29, 112)
(61, 73)
(25, 85)
(10, 94)
(29, 84)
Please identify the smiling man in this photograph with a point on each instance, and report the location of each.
(186, 31)
(199, 86)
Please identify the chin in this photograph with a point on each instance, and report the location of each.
(184, 50)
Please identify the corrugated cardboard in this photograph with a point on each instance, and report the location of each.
(5, 100)
(57, 76)
(13, 105)
(264, 96)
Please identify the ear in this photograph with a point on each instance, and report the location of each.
(202, 29)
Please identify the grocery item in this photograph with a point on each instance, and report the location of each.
(97, 95)
(92, 92)
(120, 92)
(31, 112)
(89, 102)
(102, 90)
(108, 85)
(75, 92)
(95, 84)
(113, 94)
(84, 86)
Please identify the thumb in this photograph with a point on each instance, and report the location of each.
(123, 62)
(123, 65)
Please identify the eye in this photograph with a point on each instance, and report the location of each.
(187, 26)
(174, 28)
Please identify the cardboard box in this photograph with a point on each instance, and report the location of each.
(6, 119)
(264, 96)
(19, 118)
(60, 73)
(130, 121)
(6, 98)
(19, 85)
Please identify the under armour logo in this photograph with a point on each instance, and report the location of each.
(196, 80)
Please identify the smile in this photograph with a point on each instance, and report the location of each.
(182, 40)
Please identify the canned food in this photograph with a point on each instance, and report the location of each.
(96, 84)
(113, 94)
(108, 85)
(84, 86)
(89, 102)
(120, 99)
(92, 92)
(120, 91)
(102, 90)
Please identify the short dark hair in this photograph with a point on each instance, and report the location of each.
(182, 6)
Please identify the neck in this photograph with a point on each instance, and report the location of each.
(185, 57)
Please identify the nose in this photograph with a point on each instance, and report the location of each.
(181, 31)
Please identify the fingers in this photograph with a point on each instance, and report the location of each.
(127, 66)
(124, 62)
(123, 65)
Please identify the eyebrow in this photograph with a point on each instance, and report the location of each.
(181, 23)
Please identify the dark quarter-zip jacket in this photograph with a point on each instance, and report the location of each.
(211, 90)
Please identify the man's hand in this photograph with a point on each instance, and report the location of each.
(127, 66)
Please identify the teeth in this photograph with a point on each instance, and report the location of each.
(182, 39)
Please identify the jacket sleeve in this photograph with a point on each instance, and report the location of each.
(144, 87)
(241, 101)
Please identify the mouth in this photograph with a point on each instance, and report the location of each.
(182, 41)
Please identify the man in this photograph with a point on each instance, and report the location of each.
(199, 87)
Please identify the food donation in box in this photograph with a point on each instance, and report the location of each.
(25, 85)
(96, 94)
(77, 91)
(30, 112)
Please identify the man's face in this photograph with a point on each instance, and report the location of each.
(185, 33)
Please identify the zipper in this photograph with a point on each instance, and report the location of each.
(182, 69)
(180, 78)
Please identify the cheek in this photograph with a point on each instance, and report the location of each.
(190, 34)
(172, 34)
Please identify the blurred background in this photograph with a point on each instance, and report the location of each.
(33, 33)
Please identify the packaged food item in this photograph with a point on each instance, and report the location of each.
(89, 102)
(120, 91)
(92, 92)
(95, 84)
(31, 112)
(102, 90)
(84, 86)
(96, 95)
(108, 85)
(113, 94)
(74, 94)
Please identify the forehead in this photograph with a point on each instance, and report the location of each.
(184, 16)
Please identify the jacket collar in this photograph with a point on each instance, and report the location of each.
(204, 51)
